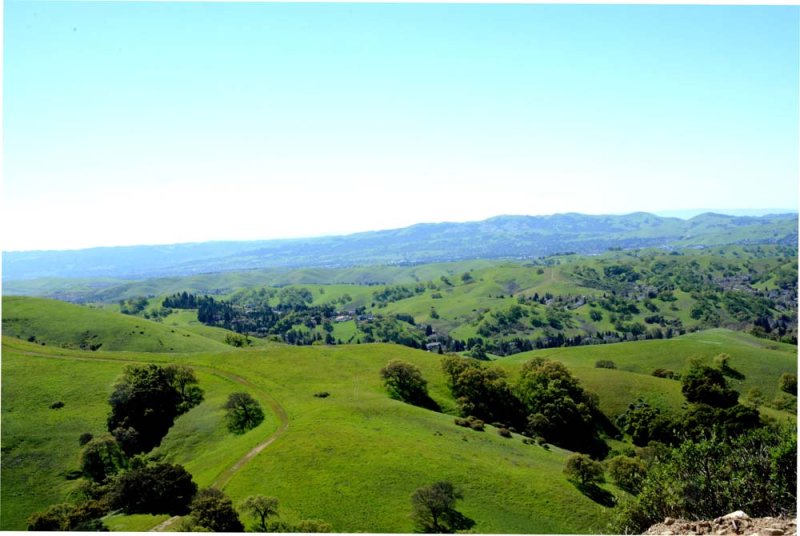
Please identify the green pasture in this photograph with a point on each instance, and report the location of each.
(57, 323)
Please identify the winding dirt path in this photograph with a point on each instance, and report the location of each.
(225, 476)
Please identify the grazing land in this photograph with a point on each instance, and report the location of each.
(647, 353)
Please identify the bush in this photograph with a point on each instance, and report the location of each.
(666, 373)
(628, 473)
(57, 405)
(85, 438)
(322, 394)
(504, 432)
(312, 526)
(788, 383)
(477, 425)
(236, 340)
(755, 472)
(70, 517)
(605, 363)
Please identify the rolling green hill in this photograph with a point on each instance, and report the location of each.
(56, 323)
(336, 455)
(761, 361)
(332, 456)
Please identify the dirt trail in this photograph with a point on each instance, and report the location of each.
(224, 477)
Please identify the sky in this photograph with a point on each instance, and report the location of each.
(152, 123)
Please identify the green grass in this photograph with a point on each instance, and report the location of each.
(39, 444)
(338, 454)
(352, 459)
(61, 324)
(133, 523)
(761, 361)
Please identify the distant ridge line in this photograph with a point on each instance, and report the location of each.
(504, 236)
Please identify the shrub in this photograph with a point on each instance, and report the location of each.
(312, 526)
(236, 340)
(666, 373)
(70, 517)
(504, 432)
(605, 363)
(85, 438)
(756, 473)
(477, 425)
(628, 473)
(788, 383)
(322, 394)
(57, 405)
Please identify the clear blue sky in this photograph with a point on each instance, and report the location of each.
(132, 123)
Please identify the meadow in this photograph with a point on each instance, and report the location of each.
(336, 454)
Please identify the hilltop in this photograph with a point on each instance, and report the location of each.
(498, 237)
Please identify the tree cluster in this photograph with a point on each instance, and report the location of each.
(146, 401)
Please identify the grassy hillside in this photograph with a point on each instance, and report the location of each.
(761, 361)
(55, 323)
(341, 452)
(337, 455)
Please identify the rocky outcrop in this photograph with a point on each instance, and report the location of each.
(735, 523)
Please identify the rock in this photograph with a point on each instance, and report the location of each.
(770, 531)
(738, 514)
(669, 521)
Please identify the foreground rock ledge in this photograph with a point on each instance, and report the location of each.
(734, 523)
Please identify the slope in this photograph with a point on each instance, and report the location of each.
(55, 323)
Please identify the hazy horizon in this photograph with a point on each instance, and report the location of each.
(162, 123)
(680, 214)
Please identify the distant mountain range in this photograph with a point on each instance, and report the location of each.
(498, 237)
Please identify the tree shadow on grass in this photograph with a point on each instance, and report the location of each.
(597, 494)
(426, 402)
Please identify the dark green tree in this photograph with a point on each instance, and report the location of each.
(706, 385)
(262, 508)
(161, 488)
(558, 408)
(101, 458)
(145, 402)
(584, 470)
(433, 509)
(404, 382)
(213, 510)
(244, 412)
(482, 391)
